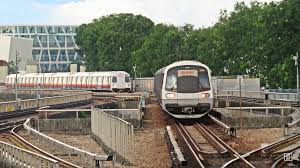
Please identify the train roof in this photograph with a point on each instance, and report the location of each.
(180, 63)
(66, 74)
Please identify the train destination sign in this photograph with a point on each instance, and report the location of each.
(187, 73)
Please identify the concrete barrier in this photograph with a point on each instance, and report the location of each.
(132, 116)
(237, 118)
(78, 125)
(130, 111)
(15, 157)
(47, 101)
(259, 94)
(94, 157)
(114, 134)
(256, 122)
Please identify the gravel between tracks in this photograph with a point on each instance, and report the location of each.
(151, 148)
(82, 141)
(250, 139)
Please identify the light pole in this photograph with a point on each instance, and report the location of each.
(43, 71)
(134, 67)
(18, 59)
(296, 64)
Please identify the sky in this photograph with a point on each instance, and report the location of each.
(200, 13)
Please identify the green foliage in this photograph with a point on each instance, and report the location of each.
(107, 42)
(258, 40)
(12, 69)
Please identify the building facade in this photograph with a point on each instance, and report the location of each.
(54, 46)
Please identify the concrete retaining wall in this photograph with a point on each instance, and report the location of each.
(81, 125)
(235, 118)
(132, 116)
(256, 122)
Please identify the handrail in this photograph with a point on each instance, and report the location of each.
(19, 151)
(74, 149)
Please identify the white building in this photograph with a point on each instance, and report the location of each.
(54, 47)
(9, 48)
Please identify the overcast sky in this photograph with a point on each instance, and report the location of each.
(201, 13)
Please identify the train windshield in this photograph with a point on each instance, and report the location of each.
(187, 79)
(127, 79)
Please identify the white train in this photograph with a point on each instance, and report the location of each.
(102, 81)
(184, 89)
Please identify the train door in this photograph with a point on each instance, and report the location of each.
(47, 82)
(121, 83)
(57, 82)
(93, 83)
(38, 82)
(19, 81)
(83, 81)
(88, 82)
(70, 83)
(30, 82)
(63, 82)
(104, 82)
(98, 82)
(79, 81)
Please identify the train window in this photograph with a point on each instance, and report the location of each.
(114, 79)
(171, 82)
(187, 79)
(204, 81)
(127, 79)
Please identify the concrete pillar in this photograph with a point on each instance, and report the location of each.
(227, 104)
(82, 68)
(3, 73)
(77, 114)
(217, 103)
(73, 67)
(282, 112)
(267, 111)
(285, 130)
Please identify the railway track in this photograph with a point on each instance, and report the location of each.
(271, 155)
(13, 138)
(204, 144)
(17, 140)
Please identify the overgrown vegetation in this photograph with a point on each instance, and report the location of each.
(258, 40)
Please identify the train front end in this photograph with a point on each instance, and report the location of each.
(187, 91)
(120, 82)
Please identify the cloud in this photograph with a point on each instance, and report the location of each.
(201, 13)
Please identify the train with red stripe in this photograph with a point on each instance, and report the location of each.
(98, 81)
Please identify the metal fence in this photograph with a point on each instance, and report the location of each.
(143, 84)
(259, 94)
(114, 132)
(35, 103)
(12, 156)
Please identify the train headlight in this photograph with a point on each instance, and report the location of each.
(170, 95)
(205, 95)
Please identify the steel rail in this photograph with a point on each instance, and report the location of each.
(231, 150)
(277, 162)
(61, 161)
(193, 148)
(207, 135)
(258, 150)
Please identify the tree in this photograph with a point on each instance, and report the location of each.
(160, 48)
(108, 42)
